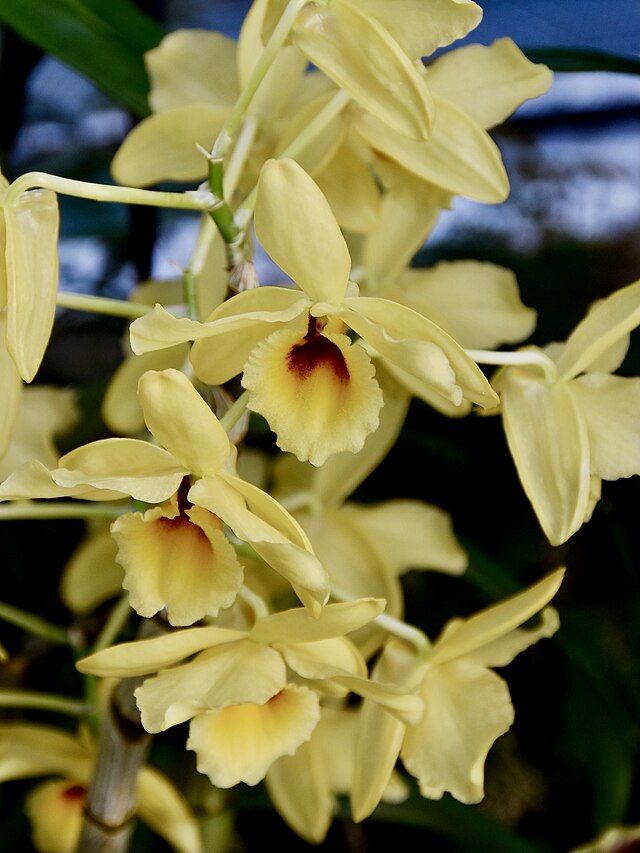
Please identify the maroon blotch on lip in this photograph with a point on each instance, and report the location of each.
(317, 351)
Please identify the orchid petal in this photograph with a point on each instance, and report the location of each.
(56, 812)
(240, 743)
(610, 406)
(163, 808)
(126, 465)
(502, 651)
(360, 56)
(420, 28)
(92, 575)
(192, 66)
(144, 656)
(173, 138)
(35, 480)
(459, 156)
(549, 443)
(181, 562)
(488, 82)
(491, 624)
(298, 229)
(32, 224)
(317, 392)
(446, 751)
(220, 677)
(604, 325)
(297, 626)
(182, 422)
(11, 392)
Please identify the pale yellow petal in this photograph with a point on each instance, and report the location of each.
(343, 472)
(360, 56)
(178, 561)
(502, 651)
(35, 480)
(419, 347)
(466, 708)
(459, 156)
(92, 574)
(549, 444)
(610, 320)
(192, 66)
(298, 229)
(493, 623)
(56, 812)
(298, 626)
(126, 465)
(33, 749)
(409, 534)
(166, 810)
(351, 189)
(321, 660)
(322, 148)
(488, 82)
(379, 739)
(227, 675)
(121, 409)
(163, 147)
(478, 302)
(421, 27)
(32, 224)
(182, 422)
(299, 789)
(144, 656)
(610, 405)
(240, 743)
(317, 392)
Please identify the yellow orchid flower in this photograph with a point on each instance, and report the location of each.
(304, 786)
(28, 278)
(614, 839)
(196, 76)
(241, 724)
(374, 51)
(466, 705)
(55, 807)
(175, 555)
(569, 422)
(314, 387)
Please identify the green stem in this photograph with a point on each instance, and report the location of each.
(264, 63)
(235, 412)
(190, 294)
(22, 510)
(522, 358)
(114, 625)
(107, 192)
(100, 305)
(42, 701)
(417, 638)
(33, 624)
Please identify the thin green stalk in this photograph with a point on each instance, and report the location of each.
(197, 200)
(101, 305)
(235, 412)
(112, 628)
(27, 510)
(42, 702)
(533, 358)
(35, 625)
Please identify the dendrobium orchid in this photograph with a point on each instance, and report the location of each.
(175, 555)
(241, 724)
(316, 389)
(569, 422)
(466, 705)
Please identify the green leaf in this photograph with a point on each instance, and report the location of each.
(105, 40)
(583, 59)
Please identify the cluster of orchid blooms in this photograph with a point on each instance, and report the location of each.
(273, 603)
